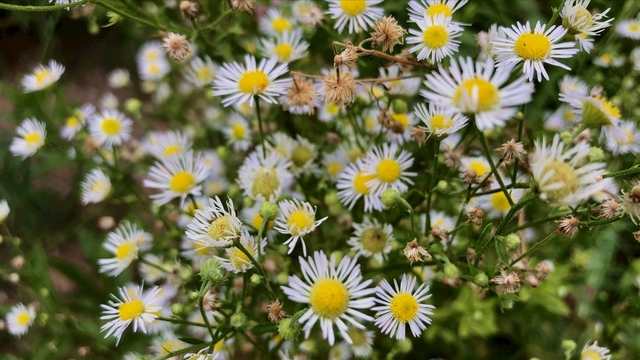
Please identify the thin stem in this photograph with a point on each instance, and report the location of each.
(179, 321)
(410, 211)
(264, 150)
(514, 174)
(206, 321)
(258, 268)
(192, 348)
(263, 226)
(556, 11)
(122, 13)
(510, 186)
(431, 185)
(535, 247)
(535, 222)
(31, 8)
(214, 24)
(385, 56)
(487, 153)
(600, 222)
(454, 230)
(145, 261)
(631, 171)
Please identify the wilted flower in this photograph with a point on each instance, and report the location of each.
(508, 282)
(177, 46)
(511, 150)
(387, 32)
(568, 226)
(339, 89)
(414, 252)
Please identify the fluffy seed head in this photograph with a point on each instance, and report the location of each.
(387, 32)
(188, 9)
(242, 5)
(300, 94)
(339, 89)
(177, 46)
(568, 226)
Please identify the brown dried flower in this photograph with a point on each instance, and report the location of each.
(301, 97)
(242, 5)
(177, 46)
(608, 209)
(511, 150)
(439, 233)
(508, 282)
(339, 89)
(387, 32)
(106, 222)
(275, 311)
(188, 9)
(414, 252)
(636, 235)
(347, 57)
(543, 269)
(209, 302)
(568, 226)
(452, 157)
(531, 279)
(419, 135)
(475, 215)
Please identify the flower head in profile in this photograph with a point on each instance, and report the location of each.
(132, 307)
(31, 134)
(42, 77)
(215, 225)
(440, 121)
(354, 14)
(287, 46)
(76, 121)
(95, 187)
(594, 352)
(581, 23)
(19, 319)
(236, 260)
(629, 28)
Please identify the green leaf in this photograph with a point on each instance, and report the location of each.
(501, 249)
(264, 328)
(192, 341)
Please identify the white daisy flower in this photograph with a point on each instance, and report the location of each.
(307, 12)
(389, 169)
(476, 88)
(264, 179)
(335, 162)
(341, 351)
(439, 219)
(402, 305)
(596, 111)
(436, 38)
(110, 127)
(440, 121)
(239, 83)
(609, 189)
(406, 87)
(361, 342)
(238, 262)
(354, 183)
(152, 273)
(4, 210)
(334, 294)
(630, 143)
(42, 77)
(177, 176)
(74, 123)
(196, 251)
(152, 65)
(595, 352)
(215, 164)
(215, 226)
(137, 308)
(372, 239)
(274, 23)
(562, 175)
(609, 60)
(167, 144)
(19, 319)
(534, 48)
(629, 28)
(31, 134)
(479, 165)
(302, 156)
(95, 187)
(123, 244)
(238, 133)
(401, 127)
(329, 111)
(202, 71)
(370, 121)
(119, 78)
(287, 46)
(581, 23)
(296, 218)
(432, 8)
(357, 14)
(573, 83)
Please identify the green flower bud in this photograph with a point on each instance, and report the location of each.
(222, 152)
(233, 191)
(238, 319)
(481, 279)
(595, 154)
(213, 271)
(185, 273)
(566, 137)
(512, 241)
(133, 106)
(93, 28)
(282, 278)
(390, 197)
(256, 279)
(451, 271)
(335, 209)
(399, 106)
(568, 345)
(331, 198)
(519, 115)
(288, 329)
(177, 308)
(442, 186)
(194, 295)
(268, 211)
(247, 202)
(43, 318)
(404, 346)
(44, 292)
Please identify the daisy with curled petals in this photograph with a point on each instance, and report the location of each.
(296, 218)
(162, 145)
(418, 9)
(436, 38)
(135, 307)
(534, 48)
(42, 77)
(629, 28)
(31, 134)
(630, 143)
(110, 127)
(595, 352)
(19, 319)
(334, 294)
(440, 121)
(562, 175)
(264, 179)
(239, 83)
(372, 239)
(74, 123)
(215, 226)
(238, 262)
(580, 23)
(478, 89)
(202, 71)
(401, 306)
(389, 169)
(177, 176)
(596, 112)
(354, 183)
(122, 243)
(357, 14)
(287, 46)
(95, 187)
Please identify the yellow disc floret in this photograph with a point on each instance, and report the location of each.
(360, 182)
(329, 298)
(562, 173)
(437, 9)
(533, 46)
(301, 155)
(281, 24)
(353, 7)
(590, 355)
(440, 122)
(435, 36)
(126, 250)
(182, 182)
(374, 240)
(300, 221)
(238, 259)
(388, 170)
(171, 150)
(33, 138)
(221, 228)
(130, 310)
(485, 94)
(499, 202)
(283, 51)
(23, 318)
(265, 184)
(404, 307)
(110, 126)
(253, 82)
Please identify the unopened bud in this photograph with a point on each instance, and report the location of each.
(177, 308)
(569, 345)
(451, 271)
(595, 154)
(238, 319)
(288, 329)
(268, 211)
(481, 279)
(566, 137)
(399, 106)
(404, 346)
(390, 197)
(133, 106)
(213, 271)
(512, 241)
(256, 279)
(442, 186)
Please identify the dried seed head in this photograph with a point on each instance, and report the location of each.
(387, 32)
(414, 252)
(608, 209)
(275, 312)
(242, 5)
(340, 90)
(405, 55)
(332, 138)
(511, 150)
(347, 57)
(439, 233)
(106, 222)
(177, 46)
(531, 279)
(568, 226)
(301, 96)
(475, 215)
(470, 177)
(188, 9)
(636, 235)
(543, 269)
(419, 135)
(209, 302)
(508, 282)
(452, 157)
(17, 262)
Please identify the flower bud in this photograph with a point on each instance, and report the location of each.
(268, 211)
(222, 152)
(390, 197)
(512, 241)
(404, 346)
(566, 137)
(133, 106)
(288, 329)
(399, 106)
(451, 271)
(43, 318)
(213, 271)
(185, 273)
(442, 186)
(569, 345)
(595, 154)
(238, 319)
(194, 295)
(177, 308)
(331, 198)
(481, 279)
(256, 279)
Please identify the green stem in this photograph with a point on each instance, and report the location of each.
(206, 321)
(487, 153)
(125, 14)
(454, 230)
(601, 222)
(410, 211)
(535, 222)
(556, 12)
(510, 186)
(631, 171)
(215, 24)
(535, 247)
(31, 8)
(145, 261)
(514, 174)
(192, 348)
(258, 268)
(263, 226)
(179, 321)
(264, 149)
(431, 185)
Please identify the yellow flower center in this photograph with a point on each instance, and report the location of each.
(283, 51)
(487, 95)
(201, 249)
(373, 240)
(609, 108)
(299, 221)
(72, 122)
(499, 202)
(219, 346)
(435, 36)
(257, 222)
(437, 9)
(23, 318)
(404, 307)
(569, 115)
(634, 27)
(110, 126)
(238, 259)
(99, 186)
(151, 55)
(301, 155)
(131, 310)
(590, 355)
(253, 82)
(401, 119)
(265, 184)
(629, 136)
(221, 228)
(479, 167)
(440, 122)
(360, 182)
(334, 168)
(172, 150)
(126, 250)
(281, 24)
(33, 138)
(329, 298)
(562, 173)
(333, 108)
(353, 7)
(238, 132)
(370, 123)
(388, 170)
(154, 69)
(533, 46)
(203, 74)
(42, 75)
(182, 182)
(358, 337)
